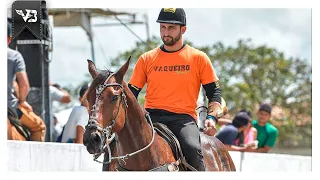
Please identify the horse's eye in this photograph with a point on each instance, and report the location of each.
(114, 98)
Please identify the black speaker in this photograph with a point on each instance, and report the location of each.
(34, 50)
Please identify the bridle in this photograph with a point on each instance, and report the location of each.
(108, 130)
(93, 123)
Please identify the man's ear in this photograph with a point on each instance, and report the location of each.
(183, 29)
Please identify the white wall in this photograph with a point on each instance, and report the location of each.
(36, 156)
(254, 162)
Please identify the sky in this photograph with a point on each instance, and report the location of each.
(288, 30)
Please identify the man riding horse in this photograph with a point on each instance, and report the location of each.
(174, 73)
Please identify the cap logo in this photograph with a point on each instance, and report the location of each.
(172, 10)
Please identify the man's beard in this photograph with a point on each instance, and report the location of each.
(172, 41)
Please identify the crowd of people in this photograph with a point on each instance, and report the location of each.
(245, 134)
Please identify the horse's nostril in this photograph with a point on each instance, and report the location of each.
(95, 137)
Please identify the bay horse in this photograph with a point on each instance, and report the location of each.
(114, 109)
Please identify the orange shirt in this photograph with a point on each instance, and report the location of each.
(173, 79)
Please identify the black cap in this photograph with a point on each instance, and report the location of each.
(172, 16)
(241, 119)
(83, 89)
(266, 107)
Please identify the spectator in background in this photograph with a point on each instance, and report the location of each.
(230, 132)
(248, 136)
(59, 95)
(267, 133)
(78, 119)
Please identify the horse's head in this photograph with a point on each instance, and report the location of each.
(107, 105)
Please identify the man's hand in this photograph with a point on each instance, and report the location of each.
(248, 149)
(26, 105)
(209, 127)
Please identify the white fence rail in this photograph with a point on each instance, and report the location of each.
(36, 156)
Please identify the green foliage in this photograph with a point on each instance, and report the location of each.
(250, 75)
(292, 135)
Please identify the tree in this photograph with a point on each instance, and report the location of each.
(250, 75)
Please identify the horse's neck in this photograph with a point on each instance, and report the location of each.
(136, 133)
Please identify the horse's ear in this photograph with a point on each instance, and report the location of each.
(122, 71)
(92, 69)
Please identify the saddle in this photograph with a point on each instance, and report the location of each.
(21, 129)
(172, 140)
